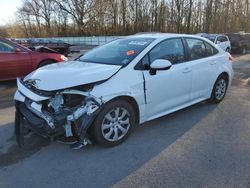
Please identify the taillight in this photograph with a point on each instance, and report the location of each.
(230, 57)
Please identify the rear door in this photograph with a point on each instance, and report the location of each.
(14, 62)
(203, 62)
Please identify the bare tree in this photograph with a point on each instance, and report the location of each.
(122, 17)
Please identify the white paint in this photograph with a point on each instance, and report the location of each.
(72, 73)
(182, 85)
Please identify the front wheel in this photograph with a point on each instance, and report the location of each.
(219, 89)
(113, 124)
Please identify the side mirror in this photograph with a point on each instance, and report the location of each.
(159, 64)
(17, 50)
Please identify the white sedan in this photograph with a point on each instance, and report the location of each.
(220, 40)
(103, 94)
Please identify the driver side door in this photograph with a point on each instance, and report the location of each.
(167, 90)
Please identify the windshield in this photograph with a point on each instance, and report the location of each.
(211, 38)
(118, 52)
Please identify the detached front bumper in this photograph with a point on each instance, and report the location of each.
(36, 123)
(67, 122)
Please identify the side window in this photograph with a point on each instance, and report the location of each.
(197, 49)
(225, 39)
(222, 39)
(4, 47)
(210, 50)
(171, 50)
(219, 39)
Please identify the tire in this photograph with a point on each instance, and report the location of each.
(104, 131)
(19, 129)
(219, 89)
(25, 138)
(46, 62)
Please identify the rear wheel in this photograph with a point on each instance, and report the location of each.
(113, 124)
(219, 89)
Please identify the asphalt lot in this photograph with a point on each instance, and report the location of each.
(202, 146)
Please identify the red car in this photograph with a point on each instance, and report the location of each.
(18, 61)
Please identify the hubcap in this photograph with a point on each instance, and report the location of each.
(115, 124)
(220, 89)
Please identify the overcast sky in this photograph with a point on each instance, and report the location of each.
(7, 10)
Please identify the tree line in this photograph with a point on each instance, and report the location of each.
(50, 18)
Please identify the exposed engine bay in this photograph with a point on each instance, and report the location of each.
(57, 115)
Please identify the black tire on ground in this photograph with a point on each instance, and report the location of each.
(214, 99)
(19, 129)
(98, 133)
(25, 138)
(46, 62)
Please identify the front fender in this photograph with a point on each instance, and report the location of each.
(132, 87)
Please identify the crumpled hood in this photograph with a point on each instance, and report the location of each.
(69, 74)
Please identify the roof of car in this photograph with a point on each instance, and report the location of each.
(160, 35)
(214, 35)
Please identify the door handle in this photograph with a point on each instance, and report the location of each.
(186, 70)
(213, 62)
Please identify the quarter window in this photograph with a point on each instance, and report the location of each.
(210, 50)
(4, 47)
(222, 39)
(197, 48)
(171, 50)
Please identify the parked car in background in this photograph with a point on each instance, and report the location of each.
(220, 40)
(57, 45)
(110, 89)
(18, 61)
(240, 42)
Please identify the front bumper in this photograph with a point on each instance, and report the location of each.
(65, 123)
(37, 124)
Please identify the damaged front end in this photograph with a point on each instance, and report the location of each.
(59, 115)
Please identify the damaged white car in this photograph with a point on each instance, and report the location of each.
(101, 95)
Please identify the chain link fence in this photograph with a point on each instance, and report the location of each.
(76, 41)
(88, 41)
